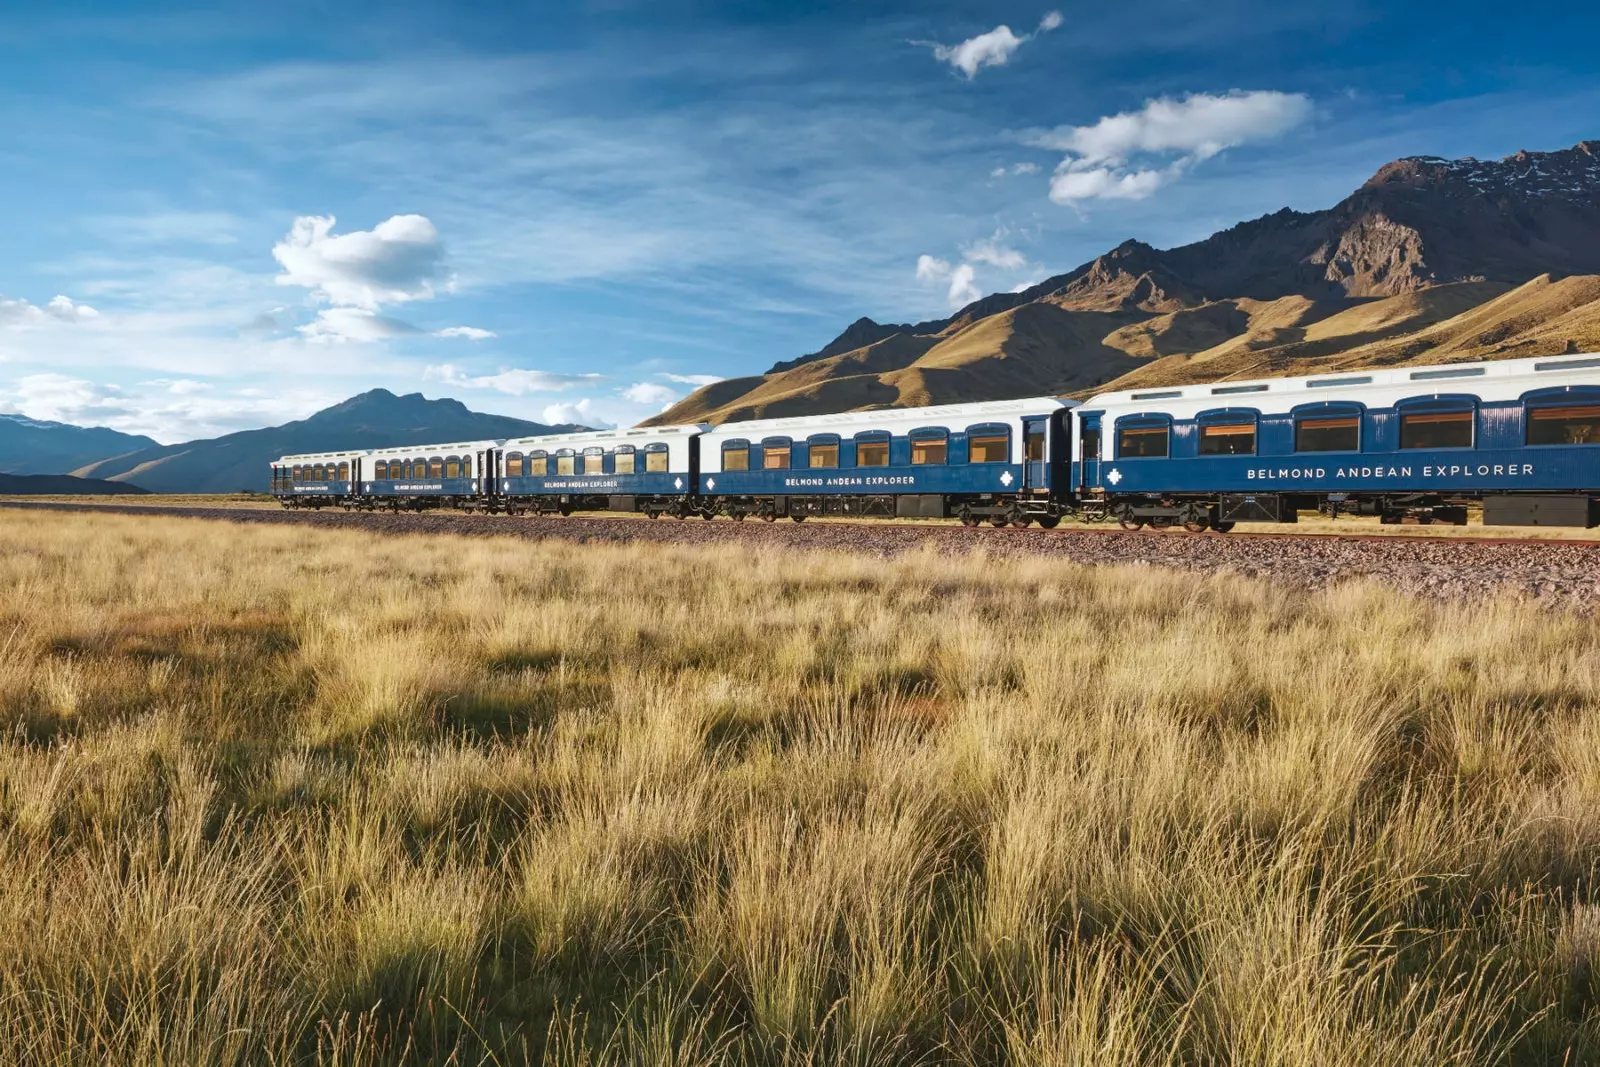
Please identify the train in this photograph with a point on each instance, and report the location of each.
(1520, 437)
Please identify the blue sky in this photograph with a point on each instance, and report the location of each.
(220, 218)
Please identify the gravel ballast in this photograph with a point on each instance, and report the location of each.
(1456, 567)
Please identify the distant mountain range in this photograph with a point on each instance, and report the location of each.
(1430, 261)
(32, 446)
(239, 461)
(63, 485)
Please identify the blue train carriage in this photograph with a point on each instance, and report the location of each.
(319, 480)
(1520, 435)
(644, 469)
(998, 461)
(421, 477)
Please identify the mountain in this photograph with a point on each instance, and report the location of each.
(239, 461)
(1430, 260)
(63, 485)
(32, 446)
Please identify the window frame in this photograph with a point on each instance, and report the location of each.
(771, 447)
(566, 463)
(651, 464)
(1328, 412)
(598, 458)
(542, 458)
(823, 441)
(1561, 397)
(452, 466)
(1235, 418)
(874, 439)
(513, 458)
(621, 453)
(924, 437)
(988, 433)
(738, 446)
(1437, 408)
(1141, 424)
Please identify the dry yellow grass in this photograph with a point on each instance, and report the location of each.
(270, 795)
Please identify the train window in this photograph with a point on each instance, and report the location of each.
(538, 466)
(623, 462)
(1142, 442)
(775, 457)
(466, 466)
(594, 463)
(929, 450)
(1340, 434)
(321, 473)
(655, 462)
(566, 464)
(514, 465)
(344, 471)
(823, 454)
(1564, 426)
(297, 475)
(435, 467)
(988, 449)
(1436, 429)
(1090, 444)
(1036, 445)
(452, 467)
(736, 457)
(1228, 439)
(872, 453)
(380, 470)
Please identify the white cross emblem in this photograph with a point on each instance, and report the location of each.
(677, 483)
(1006, 479)
(1113, 476)
(711, 483)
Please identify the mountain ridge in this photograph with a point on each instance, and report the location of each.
(1419, 223)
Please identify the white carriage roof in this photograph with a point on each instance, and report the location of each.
(457, 447)
(314, 456)
(1503, 379)
(589, 437)
(875, 418)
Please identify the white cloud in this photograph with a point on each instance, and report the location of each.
(693, 379)
(992, 49)
(1192, 128)
(650, 393)
(339, 324)
(995, 254)
(510, 381)
(61, 398)
(398, 260)
(581, 412)
(59, 309)
(1014, 170)
(960, 279)
(471, 333)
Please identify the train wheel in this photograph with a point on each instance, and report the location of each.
(1197, 526)
(966, 516)
(653, 514)
(1130, 523)
(798, 518)
(1049, 522)
(707, 514)
(736, 516)
(1222, 527)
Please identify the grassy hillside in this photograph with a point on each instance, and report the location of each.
(284, 797)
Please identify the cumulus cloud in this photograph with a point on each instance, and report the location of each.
(510, 381)
(960, 279)
(581, 412)
(62, 398)
(650, 393)
(59, 309)
(471, 333)
(992, 49)
(340, 324)
(398, 260)
(1131, 155)
(696, 380)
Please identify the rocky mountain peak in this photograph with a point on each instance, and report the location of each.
(1572, 173)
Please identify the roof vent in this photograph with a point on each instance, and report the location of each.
(1448, 372)
(1365, 379)
(1225, 390)
(1569, 364)
(1167, 394)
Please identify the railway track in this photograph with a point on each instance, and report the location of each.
(1566, 572)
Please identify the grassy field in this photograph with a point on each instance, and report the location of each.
(277, 796)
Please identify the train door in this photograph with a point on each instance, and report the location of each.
(1035, 455)
(356, 474)
(1089, 452)
(489, 472)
